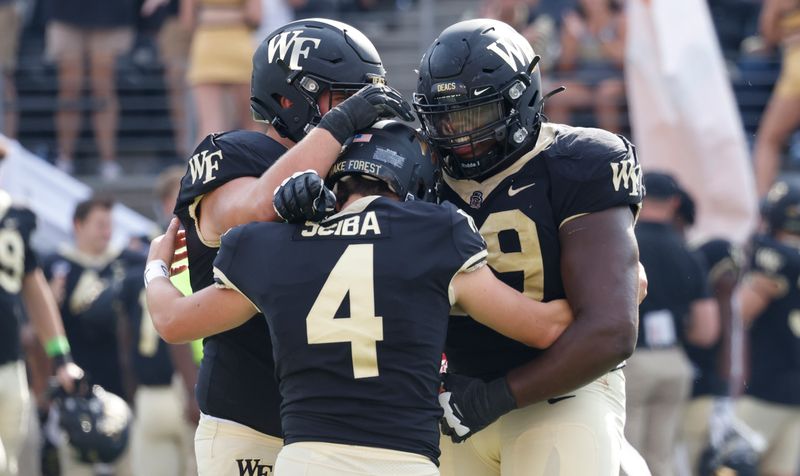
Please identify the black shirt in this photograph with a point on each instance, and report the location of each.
(775, 333)
(17, 259)
(347, 376)
(571, 171)
(234, 380)
(676, 278)
(88, 311)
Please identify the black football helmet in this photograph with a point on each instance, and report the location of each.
(300, 61)
(736, 455)
(394, 153)
(781, 209)
(96, 423)
(479, 96)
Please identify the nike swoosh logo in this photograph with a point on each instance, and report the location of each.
(553, 401)
(478, 92)
(513, 191)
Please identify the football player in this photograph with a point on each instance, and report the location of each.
(556, 205)
(300, 72)
(769, 297)
(166, 411)
(82, 280)
(357, 308)
(22, 283)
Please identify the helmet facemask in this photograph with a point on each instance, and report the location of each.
(477, 134)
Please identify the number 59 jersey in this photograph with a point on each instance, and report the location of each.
(570, 172)
(357, 309)
(16, 260)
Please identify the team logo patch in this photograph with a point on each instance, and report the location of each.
(627, 174)
(253, 467)
(291, 44)
(203, 165)
(476, 199)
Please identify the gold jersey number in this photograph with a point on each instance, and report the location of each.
(12, 260)
(528, 259)
(353, 275)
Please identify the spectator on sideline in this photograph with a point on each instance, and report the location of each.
(93, 32)
(592, 56)
(174, 42)
(780, 25)
(220, 62)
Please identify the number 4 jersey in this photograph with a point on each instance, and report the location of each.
(16, 260)
(357, 308)
(570, 172)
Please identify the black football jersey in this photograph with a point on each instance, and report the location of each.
(16, 260)
(775, 334)
(570, 172)
(88, 310)
(226, 383)
(150, 358)
(357, 309)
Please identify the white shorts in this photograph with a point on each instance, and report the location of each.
(573, 435)
(330, 459)
(227, 448)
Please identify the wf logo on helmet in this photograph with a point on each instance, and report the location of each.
(283, 43)
(512, 53)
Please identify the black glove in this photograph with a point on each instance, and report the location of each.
(363, 109)
(303, 197)
(470, 404)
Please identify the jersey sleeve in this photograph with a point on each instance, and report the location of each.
(469, 245)
(232, 267)
(222, 157)
(593, 170)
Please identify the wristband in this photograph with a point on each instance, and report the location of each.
(155, 269)
(58, 345)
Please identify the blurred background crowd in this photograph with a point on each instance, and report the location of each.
(116, 94)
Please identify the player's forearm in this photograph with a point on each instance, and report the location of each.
(168, 312)
(179, 319)
(599, 267)
(317, 151)
(583, 353)
(41, 307)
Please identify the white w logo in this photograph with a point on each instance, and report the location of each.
(204, 164)
(512, 52)
(627, 173)
(281, 43)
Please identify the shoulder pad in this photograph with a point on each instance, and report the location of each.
(223, 157)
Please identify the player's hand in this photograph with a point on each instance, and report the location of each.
(303, 197)
(164, 247)
(642, 282)
(470, 404)
(67, 375)
(363, 109)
